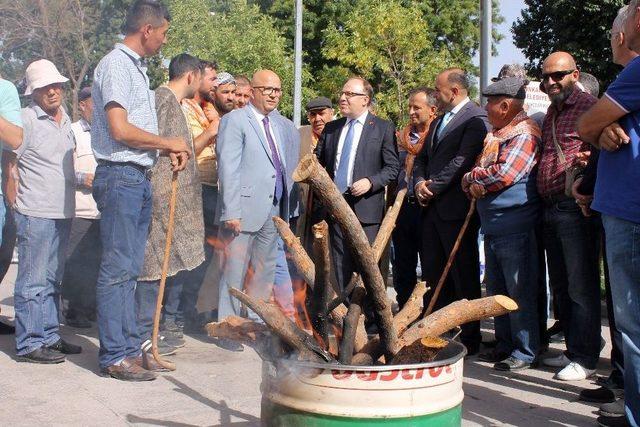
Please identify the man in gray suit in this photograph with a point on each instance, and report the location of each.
(252, 173)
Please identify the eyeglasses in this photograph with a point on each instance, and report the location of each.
(556, 76)
(268, 90)
(349, 95)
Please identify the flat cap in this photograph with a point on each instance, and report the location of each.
(511, 87)
(84, 93)
(319, 103)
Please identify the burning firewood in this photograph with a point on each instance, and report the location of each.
(299, 255)
(236, 328)
(322, 290)
(311, 172)
(421, 351)
(301, 342)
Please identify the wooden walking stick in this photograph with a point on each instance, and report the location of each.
(452, 256)
(163, 278)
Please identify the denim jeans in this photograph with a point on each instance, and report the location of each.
(572, 243)
(623, 253)
(282, 285)
(41, 249)
(123, 196)
(8, 238)
(512, 270)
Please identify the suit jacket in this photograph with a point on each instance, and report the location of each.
(246, 171)
(376, 159)
(446, 159)
(291, 142)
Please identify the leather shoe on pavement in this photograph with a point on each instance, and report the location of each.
(65, 348)
(42, 355)
(511, 364)
(492, 356)
(149, 363)
(613, 422)
(7, 329)
(599, 395)
(612, 410)
(127, 370)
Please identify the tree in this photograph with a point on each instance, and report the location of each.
(580, 28)
(237, 35)
(73, 34)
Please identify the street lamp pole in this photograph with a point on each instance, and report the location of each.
(485, 45)
(297, 79)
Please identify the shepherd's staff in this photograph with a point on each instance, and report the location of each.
(452, 256)
(163, 278)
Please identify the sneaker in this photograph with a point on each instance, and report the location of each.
(511, 364)
(557, 361)
(175, 334)
(599, 395)
(172, 341)
(613, 422)
(574, 372)
(612, 410)
(164, 349)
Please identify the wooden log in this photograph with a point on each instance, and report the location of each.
(322, 291)
(299, 255)
(304, 344)
(379, 244)
(354, 312)
(409, 312)
(422, 351)
(311, 172)
(236, 328)
(455, 314)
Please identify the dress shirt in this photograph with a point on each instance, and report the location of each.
(259, 117)
(357, 132)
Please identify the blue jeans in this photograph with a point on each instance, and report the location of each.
(512, 270)
(282, 286)
(623, 253)
(41, 248)
(572, 244)
(123, 196)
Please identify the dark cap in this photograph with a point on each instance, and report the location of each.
(511, 87)
(319, 103)
(84, 93)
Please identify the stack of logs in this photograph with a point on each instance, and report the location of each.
(401, 338)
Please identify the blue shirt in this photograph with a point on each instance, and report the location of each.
(121, 77)
(617, 191)
(9, 106)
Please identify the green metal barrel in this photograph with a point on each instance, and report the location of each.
(318, 395)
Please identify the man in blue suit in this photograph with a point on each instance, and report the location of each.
(252, 173)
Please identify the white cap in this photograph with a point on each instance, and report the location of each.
(42, 73)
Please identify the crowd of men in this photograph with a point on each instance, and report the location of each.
(87, 203)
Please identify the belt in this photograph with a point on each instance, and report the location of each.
(142, 169)
(412, 200)
(555, 198)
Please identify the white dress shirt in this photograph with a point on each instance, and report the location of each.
(357, 132)
(260, 117)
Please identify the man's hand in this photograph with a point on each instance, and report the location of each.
(233, 225)
(422, 192)
(613, 137)
(212, 129)
(581, 159)
(360, 187)
(88, 180)
(211, 113)
(584, 201)
(178, 161)
(477, 191)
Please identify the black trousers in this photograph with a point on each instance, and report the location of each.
(463, 281)
(407, 245)
(82, 265)
(342, 259)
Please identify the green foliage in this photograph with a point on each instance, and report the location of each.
(238, 37)
(580, 28)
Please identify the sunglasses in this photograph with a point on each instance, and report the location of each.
(556, 76)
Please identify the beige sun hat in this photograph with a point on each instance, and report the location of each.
(42, 73)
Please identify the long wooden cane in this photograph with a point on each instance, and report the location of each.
(452, 256)
(163, 278)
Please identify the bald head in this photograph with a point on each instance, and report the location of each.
(452, 87)
(559, 76)
(267, 90)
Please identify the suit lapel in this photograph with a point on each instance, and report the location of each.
(257, 127)
(333, 144)
(433, 140)
(455, 121)
(368, 127)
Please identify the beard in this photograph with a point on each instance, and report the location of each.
(206, 96)
(562, 95)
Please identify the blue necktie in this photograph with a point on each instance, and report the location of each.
(342, 174)
(276, 160)
(444, 122)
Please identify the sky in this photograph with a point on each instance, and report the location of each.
(507, 52)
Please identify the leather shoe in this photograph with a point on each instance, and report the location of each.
(598, 395)
(65, 348)
(149, 363)
(7, 329)
(127, 370)
(42, 355)
(511, 364)
(613, 422)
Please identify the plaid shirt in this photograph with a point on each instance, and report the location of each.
(516, 158)
(551, 172)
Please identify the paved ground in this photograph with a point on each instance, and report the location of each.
(213, 387)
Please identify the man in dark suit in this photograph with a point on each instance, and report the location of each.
(453, 143)
(359, 152)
